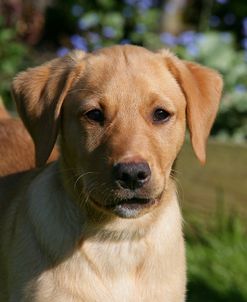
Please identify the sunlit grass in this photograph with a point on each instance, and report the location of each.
(217, 261)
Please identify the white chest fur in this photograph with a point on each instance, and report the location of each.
(122, 269)
(118, 271)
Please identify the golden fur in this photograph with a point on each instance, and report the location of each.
(3, 112)
(62, 236)
(16, 147)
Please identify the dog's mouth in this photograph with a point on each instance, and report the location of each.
(128, 208)
(133, 203)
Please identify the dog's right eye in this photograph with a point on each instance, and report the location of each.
(95, 115)
(161, 116)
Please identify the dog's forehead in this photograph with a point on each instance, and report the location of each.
(126, 59)
(128, 71)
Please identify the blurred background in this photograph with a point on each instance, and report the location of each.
(211, 32)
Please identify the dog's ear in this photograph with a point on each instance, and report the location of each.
(202, 88)
(39, 93)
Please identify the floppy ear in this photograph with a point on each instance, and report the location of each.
(202, 88)
(39, 94)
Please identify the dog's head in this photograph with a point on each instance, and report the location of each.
(122, 113)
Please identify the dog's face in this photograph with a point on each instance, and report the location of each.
(122, 114)
(123, 124)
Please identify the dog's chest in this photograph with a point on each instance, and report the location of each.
(117, 272)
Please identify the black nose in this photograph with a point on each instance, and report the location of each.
(132, 175)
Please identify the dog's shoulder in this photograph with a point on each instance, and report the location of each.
(52, 213)
(16, 188)
(16, 147)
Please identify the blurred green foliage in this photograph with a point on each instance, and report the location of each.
(106, 22)
(11, 58)
(218, 50)
(217, 269)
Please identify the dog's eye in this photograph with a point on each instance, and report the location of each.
(161, 115)
(95, 115)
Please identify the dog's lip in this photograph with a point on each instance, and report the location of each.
(133, 202)
(130, 203)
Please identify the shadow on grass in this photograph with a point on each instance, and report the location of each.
(200, 291)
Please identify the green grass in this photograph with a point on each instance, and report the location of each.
(223, 176)
(214, 199)
(217, 261)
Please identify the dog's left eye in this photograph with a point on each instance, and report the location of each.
(161, 115)
(95, 115)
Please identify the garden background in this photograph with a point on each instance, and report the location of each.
(211, 32)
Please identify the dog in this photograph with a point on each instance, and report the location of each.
(103, 222)
(3, 112)
(16, 148)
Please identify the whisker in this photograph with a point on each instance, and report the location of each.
(81, 176)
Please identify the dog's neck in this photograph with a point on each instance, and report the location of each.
(78, 222)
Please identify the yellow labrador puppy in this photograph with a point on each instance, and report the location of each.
(103, 222)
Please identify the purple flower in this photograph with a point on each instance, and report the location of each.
(222, 1)
(192, 50)
(187, 37)
(170, 7)
(93, 37)
(244, 43)
(168, 39)
(229, 19)
(62, 51)
(214, 21)
(130, 2)
(240, 88)
(140, 4)
(125, 41)
(200, 37)
(82, 24)
(76, 10)
(226, 37)
(88, 21)
(144, 4)
(109, 32)
(245, 26)
(78, 42)
(140, 28)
